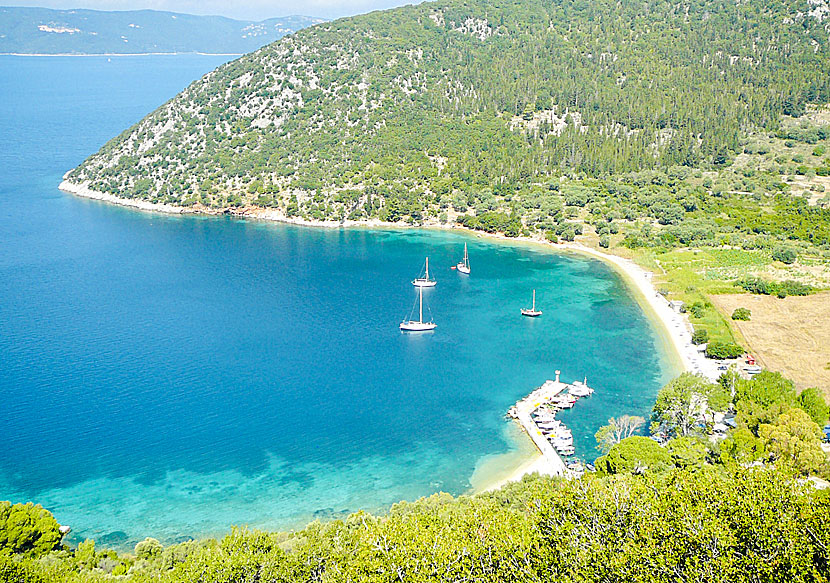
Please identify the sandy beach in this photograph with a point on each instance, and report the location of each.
(674, 328)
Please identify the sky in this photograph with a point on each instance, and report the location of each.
(240, 9)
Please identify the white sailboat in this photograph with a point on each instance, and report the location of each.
(424, 281)
(464, 265)
(532, 312)
(418, 325)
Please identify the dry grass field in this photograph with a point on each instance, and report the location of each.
(790, 335)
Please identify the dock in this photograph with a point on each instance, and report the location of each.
(541, 399)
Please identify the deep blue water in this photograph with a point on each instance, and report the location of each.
(174, 376)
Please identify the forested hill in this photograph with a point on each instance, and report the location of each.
(46, 31)
(471, 101)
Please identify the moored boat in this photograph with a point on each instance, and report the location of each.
(424, 281)
(463, 266)
(418, 325)
(532, 312)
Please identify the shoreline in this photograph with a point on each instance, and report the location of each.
(673, 328)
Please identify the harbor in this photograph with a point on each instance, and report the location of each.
(536, 414)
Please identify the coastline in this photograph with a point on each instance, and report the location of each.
(673, 328)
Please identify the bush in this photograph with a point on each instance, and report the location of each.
(700, 337)
(604, 242)
(784, 255)
(698, 309)
(723, 350)
(635, 455)
(28, 528)
(755, 285)
(149, 548)
(742, 314)
(813, 403)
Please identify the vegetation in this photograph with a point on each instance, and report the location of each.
(700, 337)
(723, 350)
(27, 529)
(617, 430)
(742, 314)
(780, 289)
(592, 113)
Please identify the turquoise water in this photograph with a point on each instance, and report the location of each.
(174, 376)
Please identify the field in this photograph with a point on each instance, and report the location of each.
(790, 335)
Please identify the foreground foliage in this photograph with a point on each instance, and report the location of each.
(755, 524)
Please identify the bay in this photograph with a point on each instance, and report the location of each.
(173, 376)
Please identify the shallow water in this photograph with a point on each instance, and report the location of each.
(174, 376)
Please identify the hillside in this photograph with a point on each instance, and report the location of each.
(46, 31)
(471, 101)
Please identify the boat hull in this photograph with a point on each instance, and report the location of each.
(423, 283)
(532, 313)
(413, 326)
(461, 268)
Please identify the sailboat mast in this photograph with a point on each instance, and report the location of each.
(427, 277)
(534, 301)
(421, 304)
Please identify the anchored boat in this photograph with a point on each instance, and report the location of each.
(532, 312)
(424, 281)
(463, 266)
(418, 325)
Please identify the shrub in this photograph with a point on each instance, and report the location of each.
(635, 455)
(28, 528)
(604, 242)
(698, 309)
(700, 337)
(723, 350)
(813, 403)
(755, 285)
(784, 255)
(741, 314)
(149, 548)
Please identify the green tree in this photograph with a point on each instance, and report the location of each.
(688, 452)
(723, 350)
(635, 455)
(741, 446)
(149, 548)
(28, 528)
(685, 401)
(741, 314)
(795, 439)
(812, 402)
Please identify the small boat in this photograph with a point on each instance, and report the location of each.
(580, 389)
(424, 281)
(532, 312)
(463, 266)
(418, 325)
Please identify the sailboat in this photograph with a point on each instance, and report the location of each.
(464, 265)
(418, 325)
(532, 312)
(424, 281)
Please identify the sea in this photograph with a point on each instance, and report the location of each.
(174, 376)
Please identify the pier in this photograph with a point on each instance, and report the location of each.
(542, 404)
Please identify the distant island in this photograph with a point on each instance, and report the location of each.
(42, 31)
